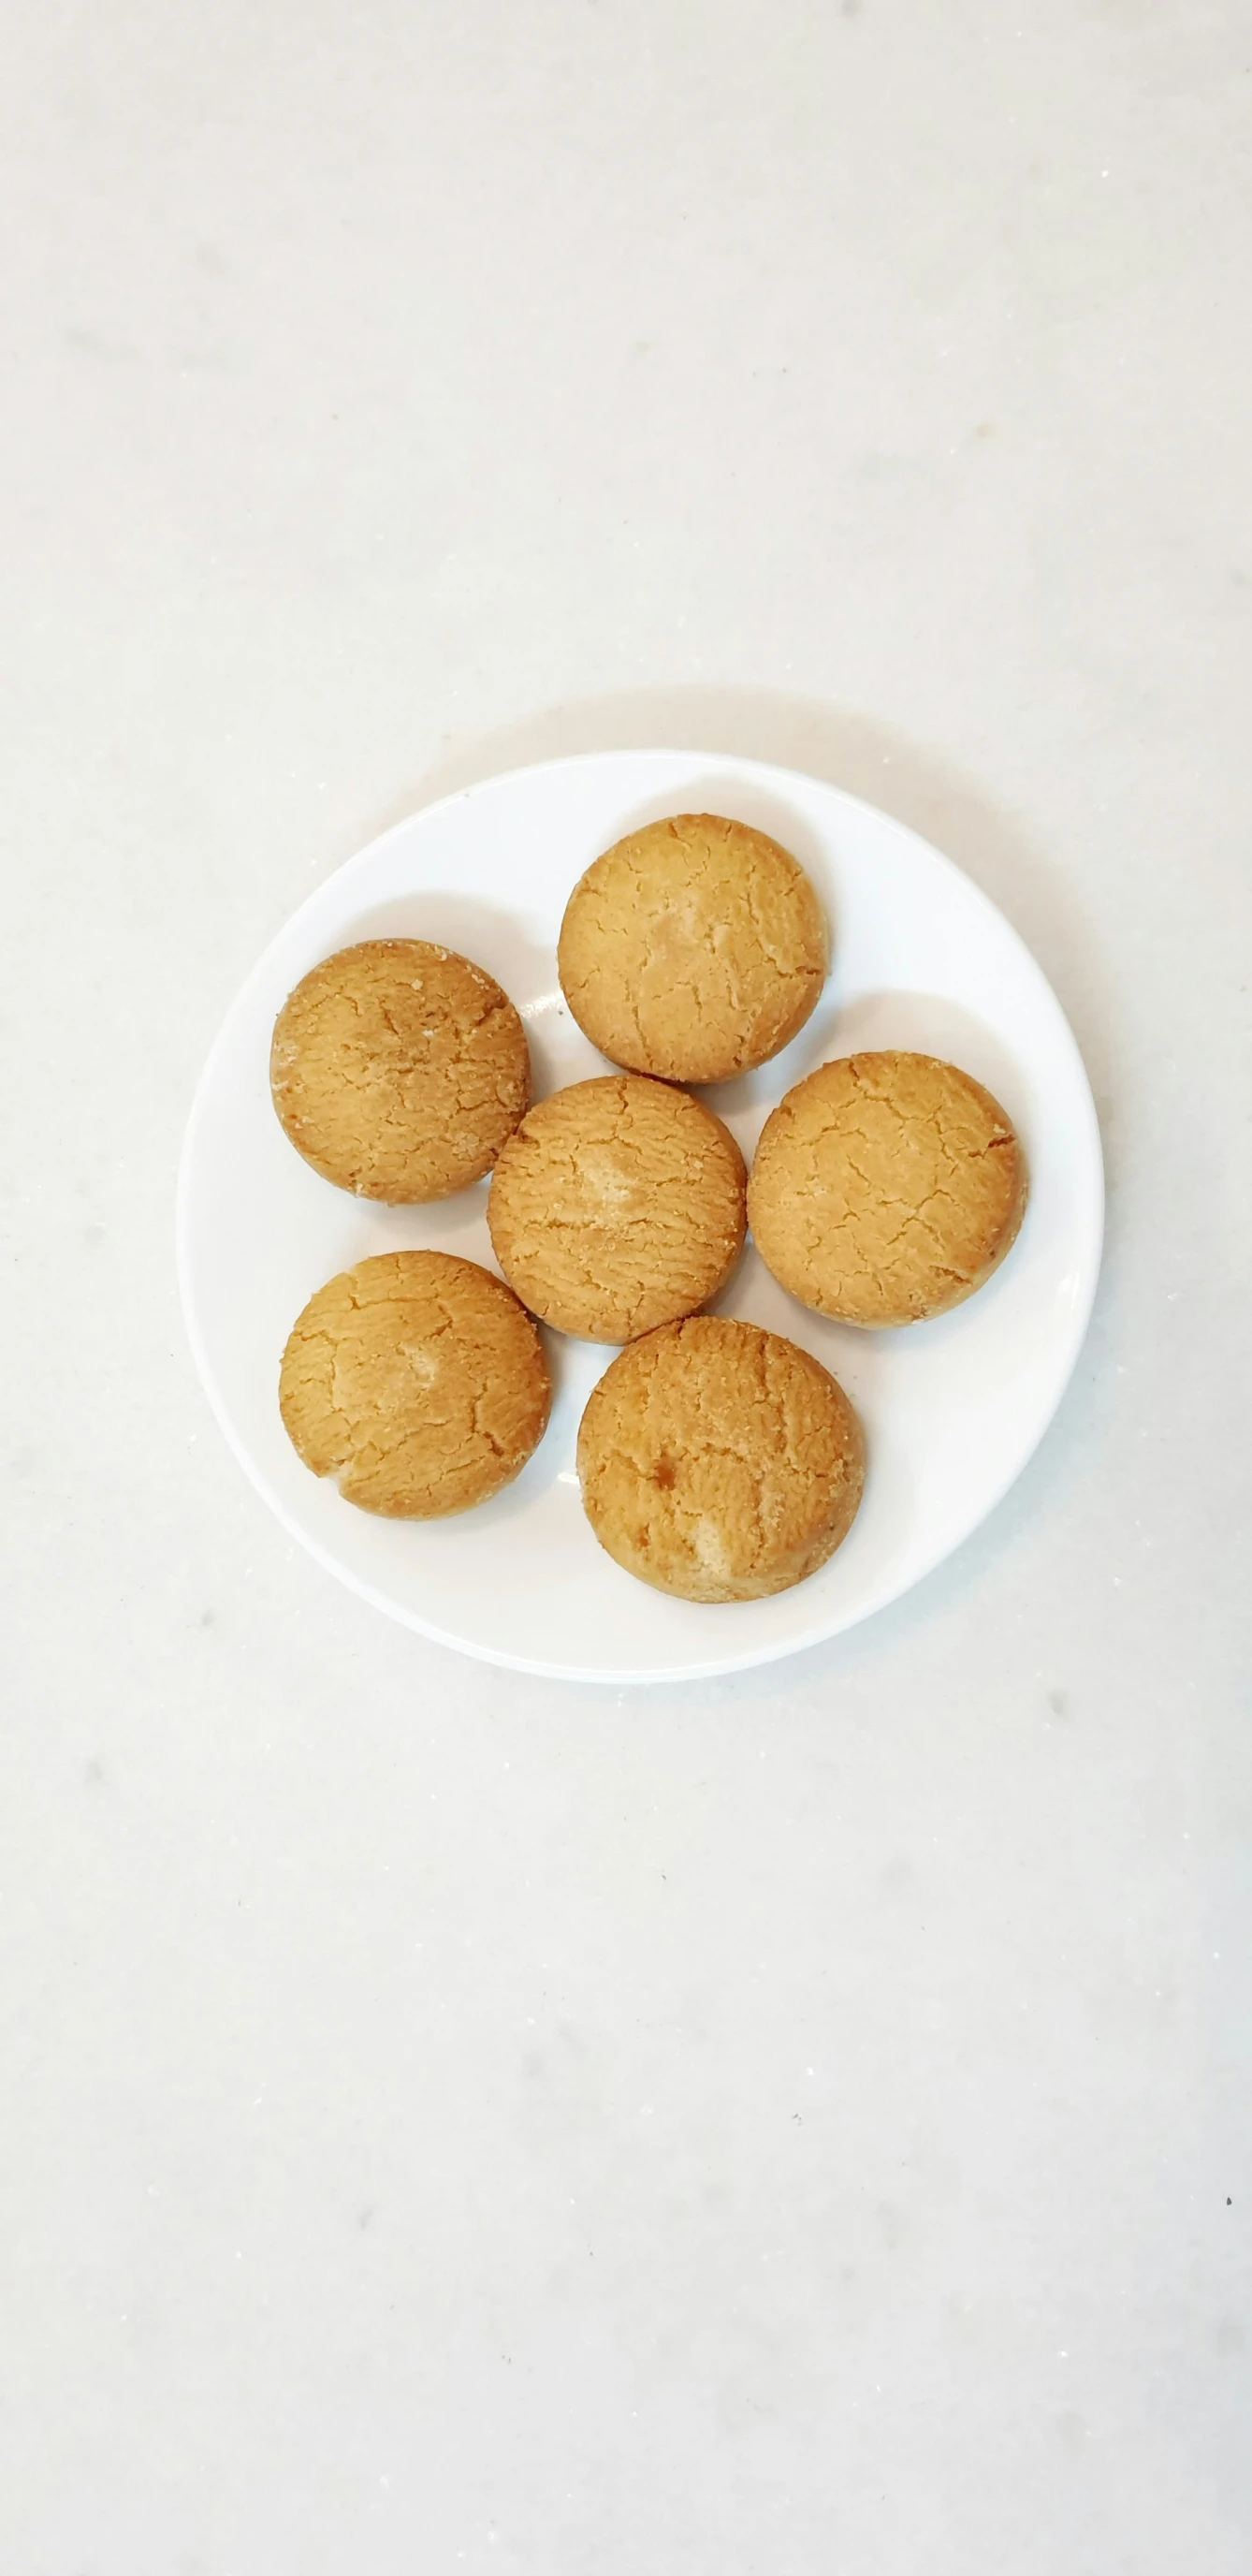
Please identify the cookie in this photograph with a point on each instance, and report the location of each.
(617, 1206)
(719, 1462)
(693, 949)
(886, 1187)
(417, 1381)
(398, 1069)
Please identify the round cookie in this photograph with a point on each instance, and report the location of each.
(398, 1069)
(886, 1187)
(693, 949)
(417, 1381)
(719, 1462)
(618, 1205)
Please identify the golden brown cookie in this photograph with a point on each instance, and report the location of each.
(718, 1461)
(886, 1187)
(693, 949)
(416, 1380)
(617, 1206)
(398, 1069)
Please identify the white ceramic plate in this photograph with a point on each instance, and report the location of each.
(952, 1409)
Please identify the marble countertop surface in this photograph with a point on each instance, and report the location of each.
(459, 2125)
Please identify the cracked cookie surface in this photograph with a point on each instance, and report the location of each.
(694, 949)
(417, 1381)
(617, 1206)
(886, 1187)
(398, 1069)
(719, 1462)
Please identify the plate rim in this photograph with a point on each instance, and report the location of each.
(714, 1666)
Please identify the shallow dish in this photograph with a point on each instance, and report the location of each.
(952, 1408)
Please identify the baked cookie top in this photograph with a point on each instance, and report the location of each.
(693, 949)
(718, 1461)
(417, 1381)
(886, 1187)
(618, 1205)
(398, 1069)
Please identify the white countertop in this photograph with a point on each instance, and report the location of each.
(794, 2126)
